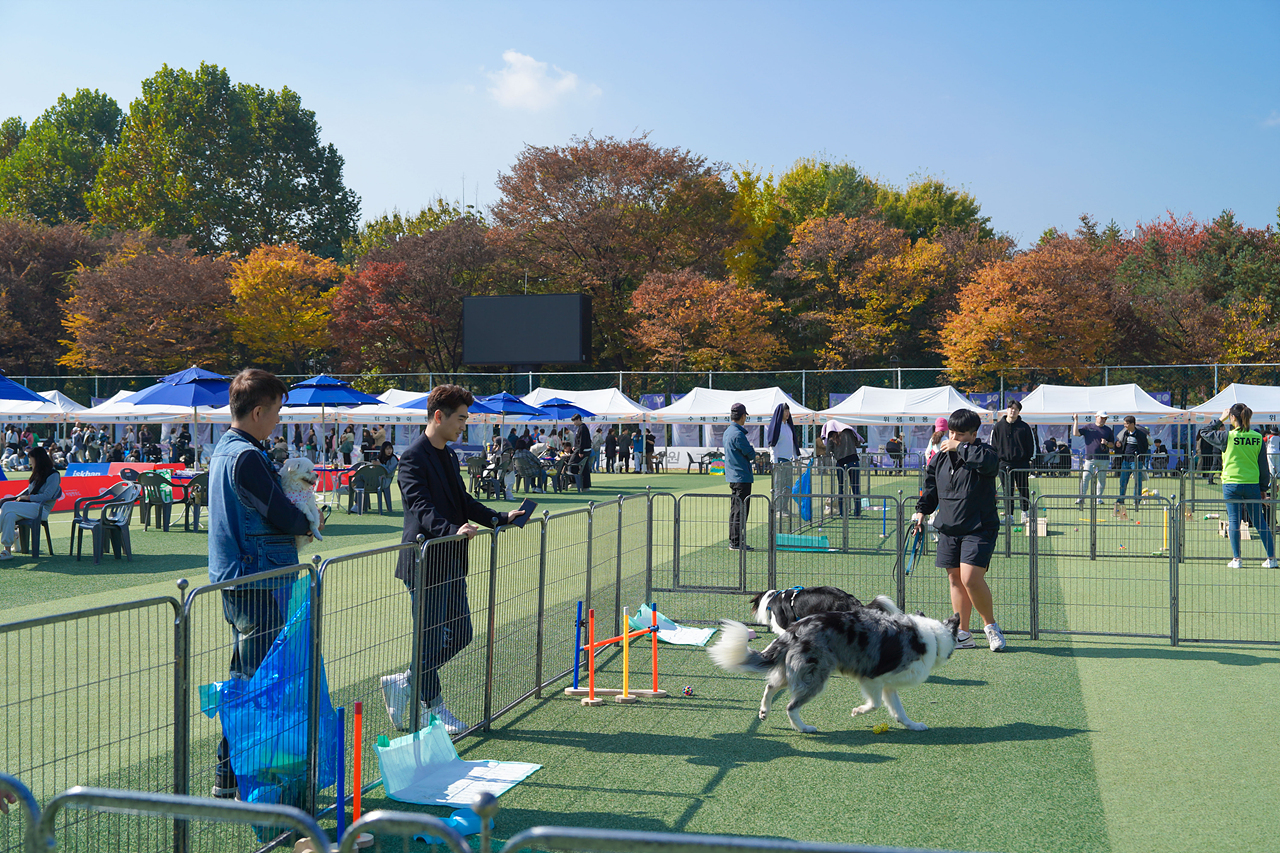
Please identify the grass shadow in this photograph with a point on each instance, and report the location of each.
(1170, 653)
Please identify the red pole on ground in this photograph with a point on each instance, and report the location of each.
(591, 654)
(653, 612)
(359, 748)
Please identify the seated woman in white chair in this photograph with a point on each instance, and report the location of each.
(32, 502)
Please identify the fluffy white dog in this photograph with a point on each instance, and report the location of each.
(298, 479)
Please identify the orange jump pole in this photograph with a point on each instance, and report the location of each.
(625, 698)
(655, 693)
(590, 698)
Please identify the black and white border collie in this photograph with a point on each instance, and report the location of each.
(880, 646)
(779, 608)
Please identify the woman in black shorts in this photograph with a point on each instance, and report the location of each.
(960, 483)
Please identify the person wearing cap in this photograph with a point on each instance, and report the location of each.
(581, 457)
(739, 457)
(1132, 443)
(842, 446)
(1098, 440)
(1016, 446)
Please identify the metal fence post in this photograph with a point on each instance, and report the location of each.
(901, 570)
(542, 604)
(1033, 570)
(617, 587)
(648, 551)
(591, 518)
(313, 692)
(773, 542)
(1175, 556)
(1093, 519)
(181, 715)
(675, 541)
(492, 626)
(419, 625)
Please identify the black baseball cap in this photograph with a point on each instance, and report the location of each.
(737, 410)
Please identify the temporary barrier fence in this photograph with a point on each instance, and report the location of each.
(114, 694)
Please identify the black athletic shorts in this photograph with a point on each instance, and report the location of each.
(974, 549)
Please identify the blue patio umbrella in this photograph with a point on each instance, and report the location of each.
(509, 404)
(562, 410)
(10, 390)
(191, 374)
(199, 392)
(325, 390)
(476, 408)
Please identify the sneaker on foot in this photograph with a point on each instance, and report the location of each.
(452, 724)
(994, 637)
(225, 786)
(6, 555)
(964, 640)
(1025, 518)
(395, 694)
(1234, 564)
(1270, 564)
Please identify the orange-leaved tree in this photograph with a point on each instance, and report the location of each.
(281, 309)
(687, 320)
(154, 306)
(1050, 308)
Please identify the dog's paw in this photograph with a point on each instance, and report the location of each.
(862, 709)
(916, 727)
(806, 728)
(764, 712)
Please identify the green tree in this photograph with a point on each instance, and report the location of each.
(230, 166)
(816, 189)
(927, 205)
(53, 166)
(11, 132)
(759, 218)
(387, 229)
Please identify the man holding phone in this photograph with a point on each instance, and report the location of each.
(437, 504)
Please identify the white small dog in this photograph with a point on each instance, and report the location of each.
(298, 479)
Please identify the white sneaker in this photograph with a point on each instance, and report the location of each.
(964, 640)
(452, 724)
(6, 555)
(1025, 518)
(1234, 564)
(395, 694)
(994, 637)
(1270, 564)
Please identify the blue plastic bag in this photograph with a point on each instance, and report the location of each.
(801, 493)
(265, 717)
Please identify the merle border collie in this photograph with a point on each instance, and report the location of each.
(881, 647)
(779, 608)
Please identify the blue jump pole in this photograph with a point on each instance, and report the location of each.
(342, 771)
(577, 645)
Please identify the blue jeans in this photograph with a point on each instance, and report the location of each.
(1255, 514)
(1129, 466)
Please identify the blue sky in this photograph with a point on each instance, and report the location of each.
(1043, 111)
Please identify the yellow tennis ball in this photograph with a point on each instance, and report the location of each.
(880, 728)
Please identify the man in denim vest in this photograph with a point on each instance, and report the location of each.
(252, 526)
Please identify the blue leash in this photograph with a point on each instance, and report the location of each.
(916, 547)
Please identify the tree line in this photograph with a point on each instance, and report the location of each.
(210, 225)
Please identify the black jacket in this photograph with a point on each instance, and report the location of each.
(961, 485)
(581, 443)
(1139, 435)
(436, 503)
(1014, 443)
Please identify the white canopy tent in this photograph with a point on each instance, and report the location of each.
(1056, 404)
(710, 405)
(891, 406)
(1264, 400)
(394, 396)
(118, 410)
(607, 404)
(30, 412)
(62, 401)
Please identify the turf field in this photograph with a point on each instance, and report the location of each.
(1064, 743)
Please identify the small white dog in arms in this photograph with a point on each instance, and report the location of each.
(881, 647)
(298, 479)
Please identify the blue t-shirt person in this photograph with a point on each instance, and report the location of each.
(1094, 436)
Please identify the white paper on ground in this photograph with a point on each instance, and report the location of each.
(423, 767)
(670, 632)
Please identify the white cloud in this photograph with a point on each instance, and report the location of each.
(524, 83)
(1272, 120)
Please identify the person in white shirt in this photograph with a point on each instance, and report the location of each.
(785, 445)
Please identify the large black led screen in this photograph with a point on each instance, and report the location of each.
(526, 330)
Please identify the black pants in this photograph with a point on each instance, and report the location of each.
(256, 619)
(446, 630)
(608, 460)
(738, 511)
(1016, 476)
(849, 465)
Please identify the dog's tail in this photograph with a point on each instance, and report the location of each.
(731, 652)
(885, 603)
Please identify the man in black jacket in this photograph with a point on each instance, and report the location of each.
(960, 483)
(436, 504)
(1015, 444)
(1133, 446)
(582, 450)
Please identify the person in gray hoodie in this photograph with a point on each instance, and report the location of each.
(739, 457)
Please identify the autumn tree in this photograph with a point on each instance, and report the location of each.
(382, 231)
(52, 167)
(927, 205)
(758, 220)
(401, 311)
(281, 311)
(598, 215)
(231, 166)
(684, 320)
(35, 263)
(153, 306)
(1048, 308)
(858, 291)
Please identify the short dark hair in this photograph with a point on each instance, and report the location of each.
(1130, 419)
(1014, 404)
(964, 420)
(448, 399)
(576, 418)
(252, 388)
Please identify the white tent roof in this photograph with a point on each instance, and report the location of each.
(708, 405)
(607, 404)
(900, 406)
(288, 414)
(62, 401)
(1055, 404)
(118, 410)
(380, 414)
(394, 396)
(29, 411)
(1263, 399)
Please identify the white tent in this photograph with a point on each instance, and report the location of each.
(709, 405)
(29, 411)
(607, 404)
(1055, 404)
(118, 410)
(395, 397)
(62, 401)
(891, 406)
(1264, 400)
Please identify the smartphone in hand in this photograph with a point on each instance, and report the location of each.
(527, 508)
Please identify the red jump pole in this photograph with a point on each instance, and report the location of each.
(590, 698)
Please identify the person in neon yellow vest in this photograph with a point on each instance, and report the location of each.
(1245, 477)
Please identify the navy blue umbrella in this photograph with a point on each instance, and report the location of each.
(10, 390)
(562, 410)
(476, 408)
(509, 404)
(191, 374)
(327, 391)
(199, 392)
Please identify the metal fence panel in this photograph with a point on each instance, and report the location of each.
(89, 697)
(566, 582)
(517, 617)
